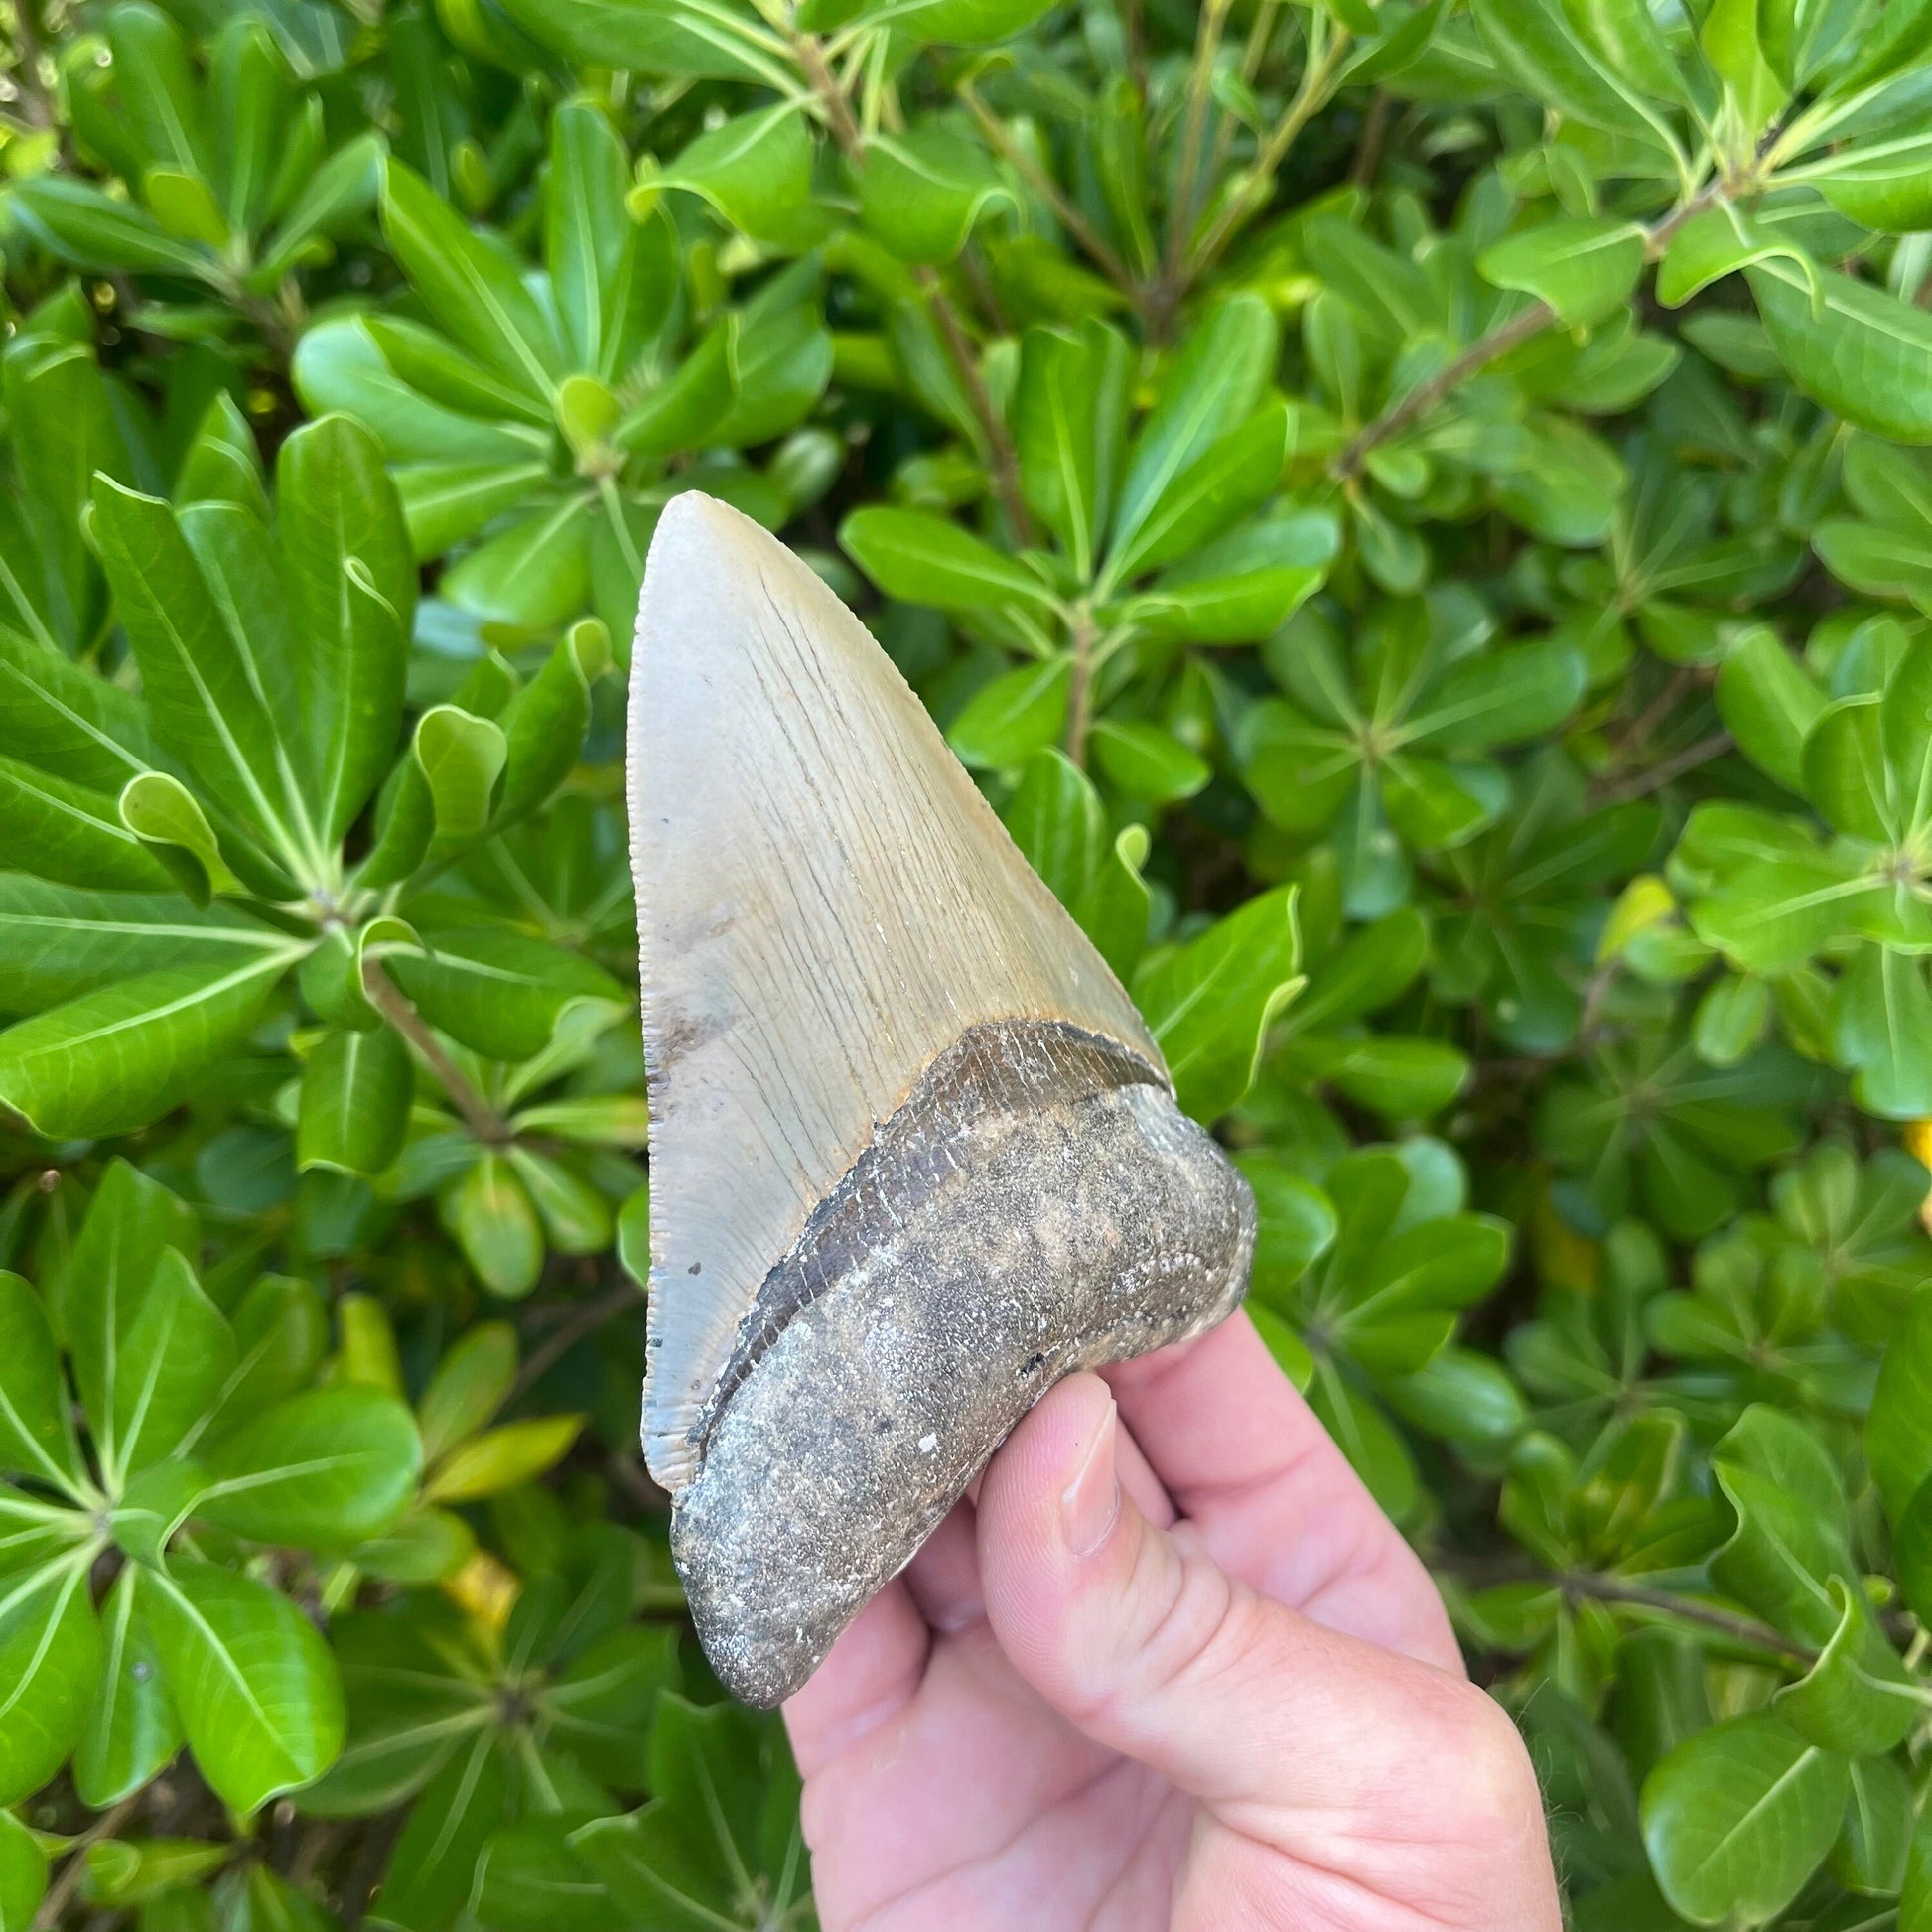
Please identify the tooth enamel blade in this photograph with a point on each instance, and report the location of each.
(825, 904)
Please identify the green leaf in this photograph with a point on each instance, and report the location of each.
(1719, 242)
(1058, 823)
(924, 192)
(1214, 384)
(1147, 762)
(163, 813)
(499, 992)
(461, 759)
(691, 405)
(1208, 1004)
(352, 597)
(697, 40)
(1860, 352)
(1882, 185)
(324, 1471)
(76, 222)
(50, 1658)
(206, 695)
(1844, 770)
(1585, 269)
(1792, 1532)
(132, 1729)
(472, 1382)
(36, 1430)
(925, 559)
(1117, 907)
(120, 1057)
(755, 170)
(1883, 1028)
(1768, 705)
(1297, 1221)
(1070, 421)
(544, 725)
(171, 1362)
(959, 23)
(1736, 1818)
(69, 833)
(1016, 715)
(470, 289)
(57, 941)
(66, 719)
(1859, 1698)
(23, 1875)
(131, 1222)
(1535, 44)
(1232, 477)
(502, 1459)
(495, 1222)
(255, 1684)
(355, 1093)
(611, 279)
(1870, 1854)
(533, 572)
(1899, 1431)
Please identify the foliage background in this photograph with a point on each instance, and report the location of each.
(1415, 513)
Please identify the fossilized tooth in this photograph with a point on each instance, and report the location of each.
(914, 1156)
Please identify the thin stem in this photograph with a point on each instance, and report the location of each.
(1001, 458)
(1181, 212)
(1488, 348)
(1079, 696)
(1066, 212)
(1424, 397)
(831, 97)
(71, 1875)
(482, 1118)
(1642, 784)
(1741, 1629)
(587, 1317)
(1309, 97)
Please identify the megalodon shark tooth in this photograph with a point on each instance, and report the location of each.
(914, 1155)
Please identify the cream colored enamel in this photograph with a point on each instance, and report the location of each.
(825, 902)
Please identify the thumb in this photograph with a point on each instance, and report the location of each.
(1291, 1732)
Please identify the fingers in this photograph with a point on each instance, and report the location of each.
(870, 1675)
(1270, 1496)
(1292, 1732)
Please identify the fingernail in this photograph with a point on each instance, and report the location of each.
(1090, 1504)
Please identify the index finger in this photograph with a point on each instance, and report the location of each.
(1272, 1499)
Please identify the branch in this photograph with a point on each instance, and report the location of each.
(831, 97)
(1066, 212)
(1426, 395)
(1640, 784)
(64, 1888)
(1180, 210)
(1079, 699)
(1309, 97)
(584, 1319)
(1001, 460)
(1001, 457)
(1727, 1623)
(484, 1120)
(1498, 343)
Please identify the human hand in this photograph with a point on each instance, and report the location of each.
(1173, 1669)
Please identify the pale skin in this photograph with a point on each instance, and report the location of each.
(1172, 1668)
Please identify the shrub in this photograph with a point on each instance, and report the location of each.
(1413, 514)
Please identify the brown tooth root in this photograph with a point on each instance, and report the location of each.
(1072, 1231)
(914, 1156)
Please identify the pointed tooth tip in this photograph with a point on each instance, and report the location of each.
(693, 518)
